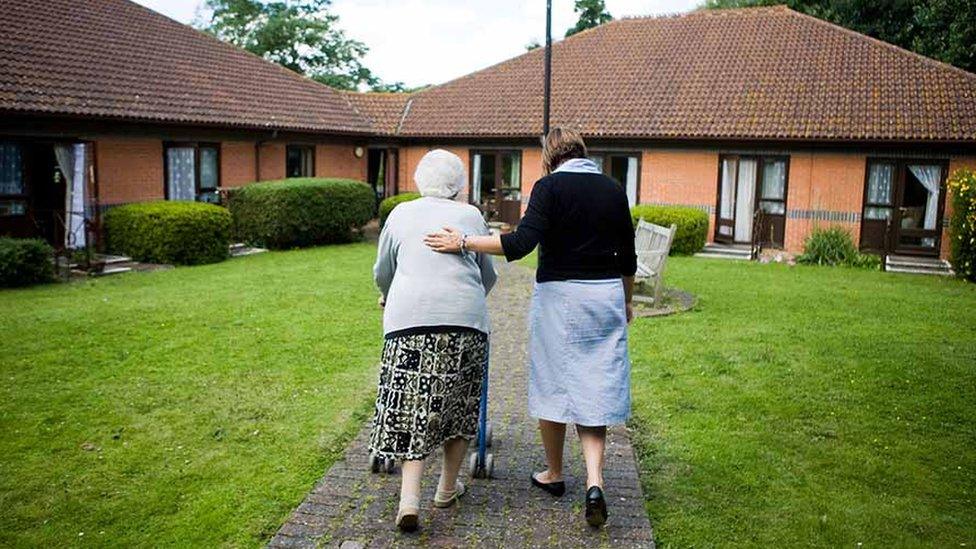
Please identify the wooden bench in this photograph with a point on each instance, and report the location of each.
(653, 244)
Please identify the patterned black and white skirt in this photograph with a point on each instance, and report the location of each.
(429, 390)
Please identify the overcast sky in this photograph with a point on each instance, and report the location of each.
(432, 41)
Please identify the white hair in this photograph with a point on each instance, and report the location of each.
(440, 174)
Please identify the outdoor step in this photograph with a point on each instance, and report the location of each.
(917, 262)
(929, 272)
(114, 259)
(112, 271)
(722, 255)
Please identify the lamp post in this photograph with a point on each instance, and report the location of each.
(547, 93)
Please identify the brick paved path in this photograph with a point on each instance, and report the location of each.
(351, 508)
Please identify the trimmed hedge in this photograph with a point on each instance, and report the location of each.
(300, 212)
(182, 233)
(25, 261)
(692, 225)
(962, 224)
(387, 205)
(835, 246)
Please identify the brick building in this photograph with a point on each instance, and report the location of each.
(731, 111)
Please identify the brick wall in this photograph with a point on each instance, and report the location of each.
(824, 189)
(272, 161)
(340, 161)
(237, 163)
(684, 177)
(129, 170)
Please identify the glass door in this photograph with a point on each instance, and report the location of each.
(725, 213)
(918, 215)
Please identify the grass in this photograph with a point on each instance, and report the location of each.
(808, 406)
(189, 407)
(804, 406)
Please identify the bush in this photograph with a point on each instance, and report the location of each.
(300, 212)
(24, 262)
(692, 225)
(387, 205)
(835, 246)
(962, 225)
(182, 233)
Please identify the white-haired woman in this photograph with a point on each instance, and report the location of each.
(435, 323)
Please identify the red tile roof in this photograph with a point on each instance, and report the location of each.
(116, 59)
(384, 111)
(760, 73)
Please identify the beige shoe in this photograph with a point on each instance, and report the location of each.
(443, 500)
(408, 519)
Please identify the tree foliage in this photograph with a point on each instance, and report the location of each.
(592, 13)
(941, 29)
(298, 34)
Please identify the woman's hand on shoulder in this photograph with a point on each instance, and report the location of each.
(447, 240)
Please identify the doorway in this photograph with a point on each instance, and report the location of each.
(903, 206)
(751, 185)
(496, 184)
(381, 169)
(32, 191)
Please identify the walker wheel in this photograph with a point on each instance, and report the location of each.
(489, 466)
(488, 435)
(374, 463)
(389, 465)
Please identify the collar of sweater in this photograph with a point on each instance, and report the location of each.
(578, 165)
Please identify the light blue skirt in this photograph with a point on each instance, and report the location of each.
(579, 368)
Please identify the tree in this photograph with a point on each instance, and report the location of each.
(298, 34)
(533, 45)
(941, 29)
(592, 13)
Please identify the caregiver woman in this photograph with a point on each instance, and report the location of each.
(579, 369)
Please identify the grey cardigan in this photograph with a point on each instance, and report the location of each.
(426, 288)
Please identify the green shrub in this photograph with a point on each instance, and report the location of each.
(182, 233)
(962, 224)
(692, 225)
(387, 205)
(25, 261)
(835, 246)
(300, 212)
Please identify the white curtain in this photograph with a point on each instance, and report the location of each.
(745, 199)
(774, 180)
(632, 180)
(931, 178)
(72, 161)
(728, 190)
(476, 180)
(182, 173)
(598, 160)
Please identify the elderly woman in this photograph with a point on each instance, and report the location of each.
(435, 322)
(579, 369)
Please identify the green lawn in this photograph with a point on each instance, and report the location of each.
(189, 407)
(794, 406)
(809, 406)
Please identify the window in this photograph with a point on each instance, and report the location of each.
(496, 184)
(623, 167)
(192, 172)
(300, 161)
(13, 192)
(880, 196)
(772, 196)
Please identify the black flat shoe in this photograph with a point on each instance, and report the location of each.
(596, 507)
(555, 488)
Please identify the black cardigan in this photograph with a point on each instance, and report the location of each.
(582, 224)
